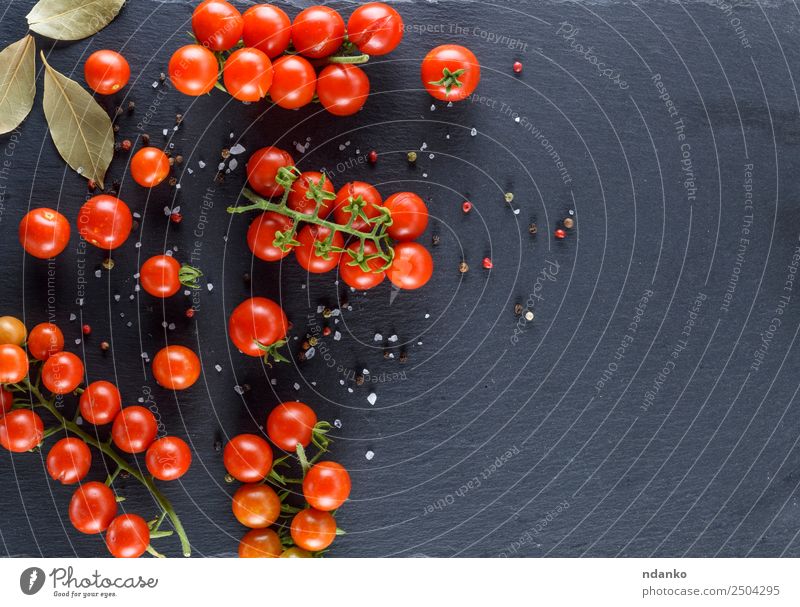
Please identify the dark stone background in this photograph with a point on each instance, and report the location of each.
(708, 467)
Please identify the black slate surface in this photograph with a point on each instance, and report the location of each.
(591, 464)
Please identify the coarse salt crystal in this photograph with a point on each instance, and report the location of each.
(372, 398)
(369, 455)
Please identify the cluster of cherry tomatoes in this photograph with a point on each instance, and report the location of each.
(273, 55)
(134, 429)
(312, 198)
(291, 426)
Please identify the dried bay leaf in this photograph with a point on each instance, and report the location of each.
(72, 19)
(80, 128)
(17, 82)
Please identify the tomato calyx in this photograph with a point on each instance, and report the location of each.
(189, 275)
(272, 352)
(449, 79)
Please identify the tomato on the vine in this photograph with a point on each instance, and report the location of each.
(353, 275)
(134, 429)
(62, 372)
(45, 340)
(256, 506)
(217, 24)
(300, 202)
(106, 72)
(262, 168)
(128, 536)
(409, 216)
(193, 70)
(267, 28)
(313, 529)
(306, 254)
(260, 543)
(176, 368)
(326, 486)
(149, 167)
(291, 423)
(13, 364)
(69, 460)
(160, 276)
(21, 430)
(92, 508)
(342, 89)
(100, 402)
(293, 82)
(257, 321)
(261, 235)
(375, 28)
(450, 72)
(168, 458)
(6, 400)
(247, 74)
(412, 266)
(44, 233)
(317, 31)
(105, 221)
(351, 191)
(12, 331)
(247, 458)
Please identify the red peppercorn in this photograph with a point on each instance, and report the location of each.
(176, 217)
(372, 157)
(466, 206)
(326, 331)
(86, 329)
(517, 67)
(92, 185)
(560, 234)
(126, 144)
(487, 263)
(190, 313)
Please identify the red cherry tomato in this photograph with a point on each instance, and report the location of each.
(293, 83)
(6, 400)
(217, 25)
(353, 275)
(260, 543)
(257, 320)
(349, 192)
(128, 536)
(62, 372)
(105, 221)
(409, 216)
(450, 72)
(45, 340)
(149, 167)
(313, 530)
(193, 70)
(318, 31)
(176, 368)
(21, 430)
(412, 266)
(160, 276)
(247, 458)
(106, 72)
(261, 235)
(375, 28)
(134, 429)
(256, 506)
(92, 507)
(342, 89)
(168, 458)
(100, 403)
(290, 423)
(326, 486)
(262, 167)
(306, 253)
(266, 28)
(69, 461)
(247, 74)
(298, 199)
(44, 233)
(13, 364)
